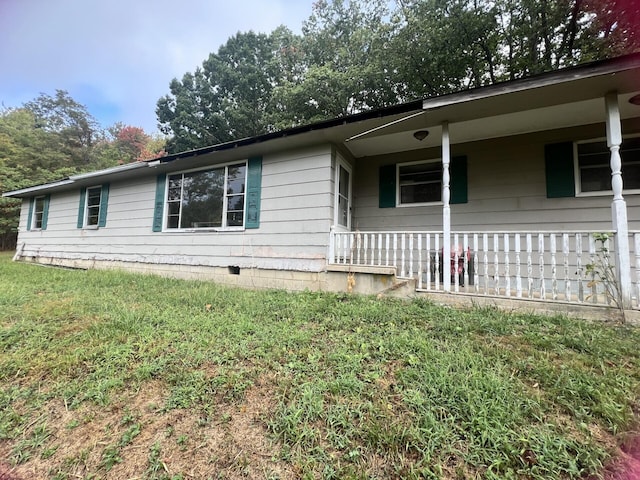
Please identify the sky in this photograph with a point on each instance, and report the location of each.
(117, 57)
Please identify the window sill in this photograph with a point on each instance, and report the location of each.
(203, 230)
(606, 193)
(90, 227)
(425, 204)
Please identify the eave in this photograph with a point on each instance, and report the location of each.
(562, 98)
(79, 180)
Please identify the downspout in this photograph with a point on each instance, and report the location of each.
(446, 210)
(618, 205)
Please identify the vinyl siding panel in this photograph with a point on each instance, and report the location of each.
(296, 212)
(506, 190)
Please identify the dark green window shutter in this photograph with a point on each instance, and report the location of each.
(30, 216)
(387, 184)
(254, 185)
(559, 170)
(161, 181)
(459, 180)
(104, 202)
(83, 195)
(45, 212)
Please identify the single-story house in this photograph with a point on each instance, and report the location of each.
(499, 191)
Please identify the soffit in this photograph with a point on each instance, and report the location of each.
(577, 101)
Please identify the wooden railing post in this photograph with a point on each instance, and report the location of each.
(618, 205)
(446, 209)
(332, 246)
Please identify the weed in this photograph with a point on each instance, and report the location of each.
(344, 386)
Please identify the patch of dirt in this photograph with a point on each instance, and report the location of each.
(626, 465)
(6, 473)
(231, 441)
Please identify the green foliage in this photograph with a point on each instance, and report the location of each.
(229, 97)
(51, 138)
(603, 272)
(357, 384)
(28, 156)
(355, 55)
(69, 122)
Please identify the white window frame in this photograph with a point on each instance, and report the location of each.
(34, 213)
(340, 162)
(417, 204)
(85, 221)
(578, 179)
(223, 227)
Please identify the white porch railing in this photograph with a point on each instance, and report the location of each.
(532, 265)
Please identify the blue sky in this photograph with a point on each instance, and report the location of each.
(117, 57)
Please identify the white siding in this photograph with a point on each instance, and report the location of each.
(506, 191)
(295, 219)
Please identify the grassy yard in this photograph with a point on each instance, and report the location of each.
(119, 376)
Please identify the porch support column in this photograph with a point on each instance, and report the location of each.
(618, 205)
(446, 210)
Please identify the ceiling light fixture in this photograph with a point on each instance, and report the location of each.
(421, 134)
(635, 100)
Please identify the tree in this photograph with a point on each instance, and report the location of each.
(70, 121)
(229, 97)
(616, 24)
(356, 55)
(443, 46)
(29, 155)
(343, 54)
(132, 144)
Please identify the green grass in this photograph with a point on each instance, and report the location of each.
(356, 387)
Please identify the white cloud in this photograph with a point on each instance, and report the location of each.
(118, 57)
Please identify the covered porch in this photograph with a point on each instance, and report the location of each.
(574, 267)
(531, 195)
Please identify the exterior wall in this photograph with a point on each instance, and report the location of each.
(506, 189)
(295, 219)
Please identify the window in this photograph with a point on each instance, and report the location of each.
(593, 169)
(38, 213)
(342, 211)
(212, 198)
(419, 182)
(92, 211)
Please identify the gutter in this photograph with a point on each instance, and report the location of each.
(554, 77)
(74, 179)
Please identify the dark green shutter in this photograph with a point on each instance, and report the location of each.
(559, 170)
(254, 185)
(161, 181)
(104, 202)
(30, 216)
(459, 180)
(387, 186)
(83, 195)
(45, 211)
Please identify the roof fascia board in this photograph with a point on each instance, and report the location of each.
(109, 171)
(578, 72)
(75, 179)
(36, 189)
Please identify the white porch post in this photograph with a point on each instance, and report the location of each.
(618, 205)
(446, 210)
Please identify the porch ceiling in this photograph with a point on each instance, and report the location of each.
(578, 101)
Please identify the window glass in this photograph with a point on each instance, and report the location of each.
(420, 183)
(93, 206)
(212, 198)
(594, 165)
(202, 199)
(343, 197)
(38, 212)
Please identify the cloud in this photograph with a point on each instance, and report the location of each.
(118, 57)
